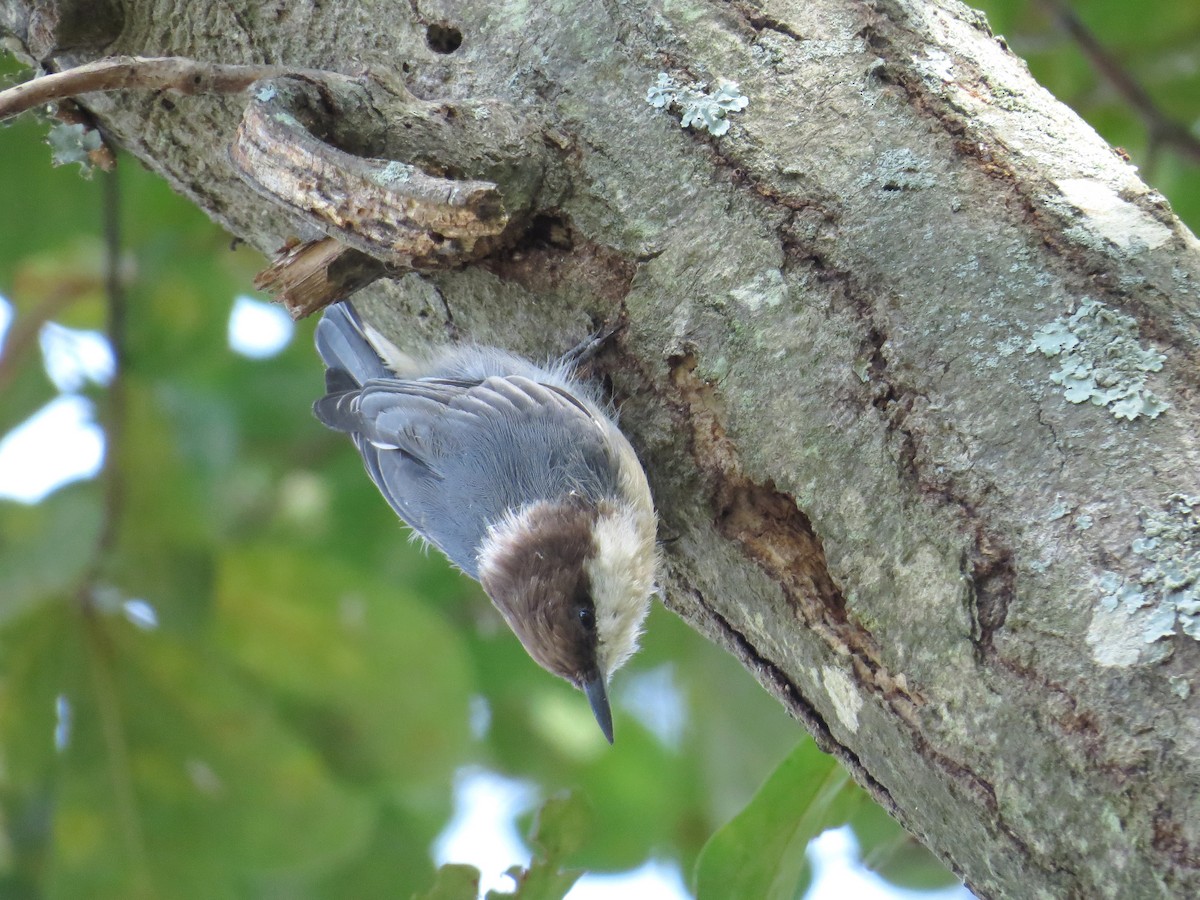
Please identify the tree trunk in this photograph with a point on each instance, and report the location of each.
(893, 360)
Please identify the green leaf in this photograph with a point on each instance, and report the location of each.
(761, 852)
(895, 854)
(538, 882)
(454, 881)
(371, 675)
(172, 779)
(561, 828)
(45, 548)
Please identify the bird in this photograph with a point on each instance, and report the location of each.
(519, 474)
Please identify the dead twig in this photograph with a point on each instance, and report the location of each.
(163, 73)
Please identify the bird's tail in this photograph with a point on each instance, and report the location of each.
(350, 362)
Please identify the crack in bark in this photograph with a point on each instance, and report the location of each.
(785, 689)
(985, 796)
(987, 152)
(775, 533)
(760, 21)
(989, 566)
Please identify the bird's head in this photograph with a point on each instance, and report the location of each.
(573, 580)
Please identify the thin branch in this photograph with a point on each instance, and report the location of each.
(1162, 129)
(101, 654)
(165, 73)
(115, 399)
(115, 425)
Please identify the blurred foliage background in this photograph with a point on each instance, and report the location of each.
(224, 671)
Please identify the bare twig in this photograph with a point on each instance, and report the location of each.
(1162, 130)
(114, 289)
(100, 650)
(115, 405)
(166, 73)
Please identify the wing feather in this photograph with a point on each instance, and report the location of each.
(452, 456)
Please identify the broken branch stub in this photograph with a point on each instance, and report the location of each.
(309, 276)
(398, 183)
(390, 210)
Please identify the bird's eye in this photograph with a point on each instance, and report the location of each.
(587, 617)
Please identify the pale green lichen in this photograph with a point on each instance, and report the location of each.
(1166, 592)
(1061, 509)
(697, 107)
(395, 173)
(1181, 685)
(73, 144)
(1101, 360)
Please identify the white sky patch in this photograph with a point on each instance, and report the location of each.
(653, 880)
(838, 873)
(62, 722)
(483, 831)
(73, 357)
(58, 444)
(6, 317)
(61, 442)
(483, 834)
(479, 713)
(259, 330)
(654, 699)
(140, 613)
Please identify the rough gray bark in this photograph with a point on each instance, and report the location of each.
(976, 592)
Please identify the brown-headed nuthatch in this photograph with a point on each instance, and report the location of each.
(519, 475)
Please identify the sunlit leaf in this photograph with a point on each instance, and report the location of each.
(761, 852)
(561, 828)
(64, 282)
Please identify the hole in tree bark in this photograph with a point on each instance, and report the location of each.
(443, 38)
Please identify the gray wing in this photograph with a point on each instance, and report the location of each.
(453, 456)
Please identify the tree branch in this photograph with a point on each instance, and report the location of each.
(1162, 129)
(173, 73)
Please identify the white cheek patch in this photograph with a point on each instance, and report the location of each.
(622, 579)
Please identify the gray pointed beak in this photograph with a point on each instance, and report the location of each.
(597, 694)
